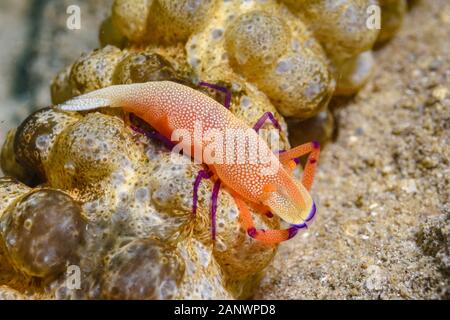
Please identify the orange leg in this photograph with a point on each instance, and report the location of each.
(313, 148)
(269, 237)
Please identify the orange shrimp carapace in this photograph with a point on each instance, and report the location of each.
(171, 108)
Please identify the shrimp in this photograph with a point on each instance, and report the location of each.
(170, 107)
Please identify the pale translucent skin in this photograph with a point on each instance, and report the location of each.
(168, 106)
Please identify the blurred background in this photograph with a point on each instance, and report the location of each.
(35, 45)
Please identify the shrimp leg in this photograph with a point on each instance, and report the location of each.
(313, 148)
(204, 174)
(214, 197)
(267, 115)
(269, 237)
(227, 92)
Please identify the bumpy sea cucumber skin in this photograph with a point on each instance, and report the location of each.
(294, 51)
(11, 190)
(341, 28)
(248, 103)
(355, 73)
(130, 18)
(295, 77)
(7, 293)
(130, 191)
(42, 232)
(392, 15)
(99, 65)
(269, 46)
(8, 161)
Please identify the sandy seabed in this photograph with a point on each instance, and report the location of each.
(382, 229)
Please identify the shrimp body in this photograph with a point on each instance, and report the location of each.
(172, 108)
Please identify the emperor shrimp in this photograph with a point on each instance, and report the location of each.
(266, 182)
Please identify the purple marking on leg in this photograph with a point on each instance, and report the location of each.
(300, 226)
(310, 216)
(316, 144)
(154, 135)
(267, 115)
(202, 174)
(292, 232)
(214, 196)
(227, 92)
(251, 232)
(296, 160)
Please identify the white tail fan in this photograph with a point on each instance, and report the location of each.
(111, 96)
(81, 104)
